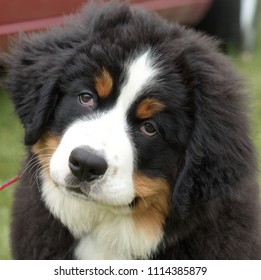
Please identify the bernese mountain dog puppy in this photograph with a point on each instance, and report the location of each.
(138, 143)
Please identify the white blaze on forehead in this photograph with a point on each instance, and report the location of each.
(139, 73)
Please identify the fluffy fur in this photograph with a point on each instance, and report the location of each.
(164, 115)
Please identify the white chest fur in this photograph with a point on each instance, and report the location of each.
(88, 248)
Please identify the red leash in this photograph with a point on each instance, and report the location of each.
(10, 182)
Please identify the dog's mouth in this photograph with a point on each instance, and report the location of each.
(77, 188)
(80, 193)
(76, 191)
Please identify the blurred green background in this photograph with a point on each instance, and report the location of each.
(11, 135)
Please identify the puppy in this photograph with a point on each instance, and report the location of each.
(138, 143)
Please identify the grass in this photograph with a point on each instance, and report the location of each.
(250, 68)
(11, 137)
(11, 153)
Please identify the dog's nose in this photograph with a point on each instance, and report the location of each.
(87, 165)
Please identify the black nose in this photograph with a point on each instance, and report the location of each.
(87, 165)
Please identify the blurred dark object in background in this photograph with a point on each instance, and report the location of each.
(235, 22)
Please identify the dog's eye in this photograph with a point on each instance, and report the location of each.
(148, 129)
(86, 98)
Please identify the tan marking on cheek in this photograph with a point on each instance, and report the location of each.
(153, 203)
(148, 108)
(45, 148)
(103, 84)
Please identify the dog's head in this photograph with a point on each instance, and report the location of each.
(123, 109)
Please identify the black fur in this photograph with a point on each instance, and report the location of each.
(203, 150)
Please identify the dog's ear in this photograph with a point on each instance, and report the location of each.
(39, 116)
(31, 72)
(219, 153)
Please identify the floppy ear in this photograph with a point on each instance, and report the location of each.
(30, 78)
(40, 114)
(219, 154)
(31, 72)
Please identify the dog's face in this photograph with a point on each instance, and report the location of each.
(130, 113)
(109, 130)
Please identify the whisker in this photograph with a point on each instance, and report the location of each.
(44, 149)
(31, 163)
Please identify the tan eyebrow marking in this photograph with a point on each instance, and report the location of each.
(148, 108)
(103, 83)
